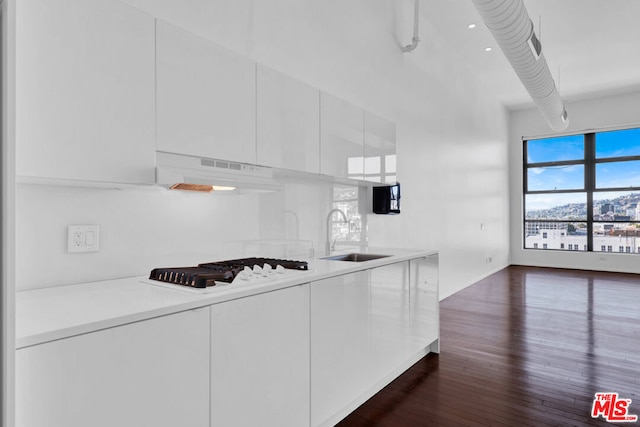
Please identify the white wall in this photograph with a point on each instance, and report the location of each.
(452, 152)
(622, 110)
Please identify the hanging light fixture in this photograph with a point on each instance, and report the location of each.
(512, 28)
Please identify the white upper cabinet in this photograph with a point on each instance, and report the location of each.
(288, 122)
(379, 149)
(84, 91)
(206, 97)
(341, 138)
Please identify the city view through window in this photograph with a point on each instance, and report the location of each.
(582, 192)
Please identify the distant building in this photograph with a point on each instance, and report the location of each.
(534, 228)
(606, 238)
(606, 208)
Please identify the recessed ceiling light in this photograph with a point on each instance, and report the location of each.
(471, 26)
(488, 49)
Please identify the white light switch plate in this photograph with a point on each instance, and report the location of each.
(83, 238)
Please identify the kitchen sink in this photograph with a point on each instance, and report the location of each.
(354, 257)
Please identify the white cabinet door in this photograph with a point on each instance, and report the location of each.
(341, 138)
(389, 317)
(288, 122)
(260, 360)
(85, 91)
(379, 149)
(339, 343)
(206, 98)
(150, 373)
(425, 304)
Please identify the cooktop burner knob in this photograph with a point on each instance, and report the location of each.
(279, 269)
(243, 275)
(257, 269)
(267, 269)
(247, 271)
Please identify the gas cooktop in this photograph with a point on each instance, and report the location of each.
(208, 275)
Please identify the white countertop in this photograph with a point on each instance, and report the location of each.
(49, 314)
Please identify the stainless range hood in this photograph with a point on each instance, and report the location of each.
(185, 172)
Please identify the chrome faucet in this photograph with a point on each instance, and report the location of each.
(329, 247)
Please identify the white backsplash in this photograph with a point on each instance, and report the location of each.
(141, 229)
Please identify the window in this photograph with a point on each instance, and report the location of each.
(346, 198)
(583, 191)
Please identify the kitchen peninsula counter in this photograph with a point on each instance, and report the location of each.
(54, 313)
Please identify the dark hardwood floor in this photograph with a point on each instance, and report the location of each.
(525, 346)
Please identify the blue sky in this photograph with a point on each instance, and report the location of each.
(556, 149)
(608, 144)
(556, 178)
(618, 143)
(608, 175)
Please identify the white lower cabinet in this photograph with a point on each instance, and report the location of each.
(150, 373)
(366, 329)
(425, 303)
(389, 315)
(260, 360)
(339, 343)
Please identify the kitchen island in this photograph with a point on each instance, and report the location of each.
(301, 349)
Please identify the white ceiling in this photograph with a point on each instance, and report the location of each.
(592, 46)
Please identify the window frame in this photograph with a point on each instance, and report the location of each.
(589, 163)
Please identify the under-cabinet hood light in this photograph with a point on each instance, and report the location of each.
(222, 188)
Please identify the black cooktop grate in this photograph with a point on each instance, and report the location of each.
(250, 262)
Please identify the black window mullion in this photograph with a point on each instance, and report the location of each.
(589, 182)
(618, 159)
(525, 188)
(558, 163)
